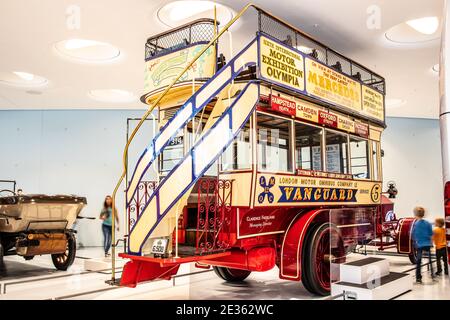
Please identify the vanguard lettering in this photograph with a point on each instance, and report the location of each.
(313, 194)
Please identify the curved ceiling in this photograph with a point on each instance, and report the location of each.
(343, 25)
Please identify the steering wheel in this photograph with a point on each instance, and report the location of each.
(7, 190)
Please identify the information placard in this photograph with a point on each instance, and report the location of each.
(372, 103)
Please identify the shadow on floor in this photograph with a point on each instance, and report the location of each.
(16, 270)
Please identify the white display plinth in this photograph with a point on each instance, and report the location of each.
(102, 264)
(370, 279)
(364, 270)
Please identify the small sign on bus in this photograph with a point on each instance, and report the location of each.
(283, 105)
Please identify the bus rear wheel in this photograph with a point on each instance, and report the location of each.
(323, 243)
(231, 275)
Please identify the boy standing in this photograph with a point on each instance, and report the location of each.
(441, 246)
(422, 234)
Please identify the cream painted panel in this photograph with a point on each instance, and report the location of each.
(213, 86)
(173, 127)
(242, 109)
(148, 218)
(250, 55)
(174, 184)
(242, 183)
(211, 145)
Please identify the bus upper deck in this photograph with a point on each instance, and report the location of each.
(287, 59)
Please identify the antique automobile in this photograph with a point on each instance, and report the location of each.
(268, 158)
(392, 232)
(37, 224)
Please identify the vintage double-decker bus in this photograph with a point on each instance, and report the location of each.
(269, 157)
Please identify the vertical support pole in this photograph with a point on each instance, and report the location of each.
(231, 55)
(113, 225)
(176, 231)
(444, 118)
(215, 34)
(218, 206)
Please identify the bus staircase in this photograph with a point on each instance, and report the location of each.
(159, 215)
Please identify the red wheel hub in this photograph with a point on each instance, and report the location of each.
(329, 247)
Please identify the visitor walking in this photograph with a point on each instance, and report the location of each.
(441, 245)
(422, 234)
(106, 216)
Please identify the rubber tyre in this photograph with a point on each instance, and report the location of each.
(63, 261)
(231, 275)
(413, 256)
(315, 268)
(2, 253)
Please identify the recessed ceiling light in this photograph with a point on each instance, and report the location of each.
(22, 79)
(176, 13)
(417, 31)
(24, 75)
(435, 68)
(112, 95)
(427, 25)
(84, 50)
(395, 103)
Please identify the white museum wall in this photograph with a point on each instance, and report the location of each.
(412, 159)
(69, 152)
(80, 152)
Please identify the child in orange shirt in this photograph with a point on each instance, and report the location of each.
(441, 245)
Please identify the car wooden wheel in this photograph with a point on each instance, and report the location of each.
(62, 261)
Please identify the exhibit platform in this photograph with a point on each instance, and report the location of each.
(37, 279)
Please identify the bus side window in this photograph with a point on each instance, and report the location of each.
(238, 155)
(274, 143)
(308, 147)
(375, 160)
(336, 152)
(359, 158)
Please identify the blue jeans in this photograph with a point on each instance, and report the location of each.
(419, 262)
(107, 237)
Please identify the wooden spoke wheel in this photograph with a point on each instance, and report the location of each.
(62, 261)
(322, 245)
(231, 275)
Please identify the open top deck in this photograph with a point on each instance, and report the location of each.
(288, 60)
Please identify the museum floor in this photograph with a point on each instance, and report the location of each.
(37, 279)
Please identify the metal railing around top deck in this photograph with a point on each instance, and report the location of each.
(293, 37)
(263, 26)
(202, 31)
(196, 32)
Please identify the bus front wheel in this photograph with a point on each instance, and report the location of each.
(231, 275)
